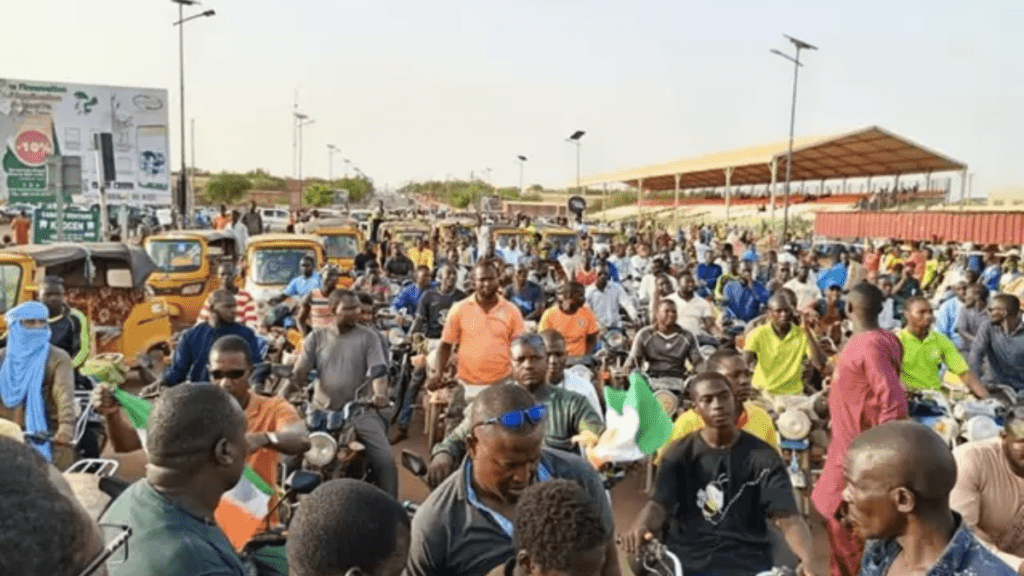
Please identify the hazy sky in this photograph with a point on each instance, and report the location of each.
(421, 89)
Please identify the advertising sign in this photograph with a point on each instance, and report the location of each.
(41, 119)
(80, 225)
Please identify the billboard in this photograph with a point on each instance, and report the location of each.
(41, 119)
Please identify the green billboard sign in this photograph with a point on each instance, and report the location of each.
(80, 225)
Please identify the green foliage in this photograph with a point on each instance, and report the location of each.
(227, 188)
(318, 196)
(263, 180)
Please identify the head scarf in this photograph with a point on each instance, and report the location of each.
(24, 368)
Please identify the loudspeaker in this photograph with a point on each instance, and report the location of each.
(105, 144)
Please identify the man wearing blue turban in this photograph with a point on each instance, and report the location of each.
(37, 384)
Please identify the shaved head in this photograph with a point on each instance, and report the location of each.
(865, 300)
(499, 399)
(905, 453)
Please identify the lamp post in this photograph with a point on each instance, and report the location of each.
(522, 161)
(575, 139)
(347, 162)
(331, 149)
(182, 184)
(800, 45)
(301, 120)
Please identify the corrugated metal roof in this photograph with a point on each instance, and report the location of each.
(870, 151)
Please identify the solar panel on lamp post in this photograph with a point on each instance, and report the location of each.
(800, 45)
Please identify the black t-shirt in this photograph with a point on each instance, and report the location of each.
(399, 266)
(719, 503)
(362, 259)
(433, 309)
(525, 299)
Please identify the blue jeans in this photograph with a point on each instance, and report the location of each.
(419, 375)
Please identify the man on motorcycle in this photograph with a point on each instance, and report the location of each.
(398, 266)
(191, 356)
(465, 525)
(196, 448)
(69, 328)
(315, 309)
(344, 359)
(306, 282)
(1001, 342)
(925, 350)
(744, 297)
(569, 419)
(272, 426)
(989, 491)
(559, 377)
(557, 530)
(409, 297)
(752, 418)
(526, 295)
(780, 347)
(373, 283)
(899, 478)
(607, 298)
(693, 313)
(571, 317)
(664, 348)
(348, 527)
(245, 306)
(716, 490)
(649, 283)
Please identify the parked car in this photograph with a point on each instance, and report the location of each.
(275, 219)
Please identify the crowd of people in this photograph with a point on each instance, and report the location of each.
(736, 322)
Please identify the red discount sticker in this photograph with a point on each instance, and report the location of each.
(33, 147)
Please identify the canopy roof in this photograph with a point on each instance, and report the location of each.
(110, 254)
(869, 151)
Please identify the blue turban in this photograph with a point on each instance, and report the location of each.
(24, 368)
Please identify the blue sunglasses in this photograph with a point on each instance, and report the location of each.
(515, 419)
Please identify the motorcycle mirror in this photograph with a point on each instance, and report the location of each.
(302, 482)
(414, 463)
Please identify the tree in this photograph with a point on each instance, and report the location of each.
(318, 196)
(227, 188)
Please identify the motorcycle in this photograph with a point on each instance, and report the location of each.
(611, 359)
(335, 451)
(264, 553)
(802, 422)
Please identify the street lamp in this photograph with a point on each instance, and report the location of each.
(302, 120)
(182, 185)
(522, 160)
(331, 149)
(800, 45)
(575, 139)
(347, 162)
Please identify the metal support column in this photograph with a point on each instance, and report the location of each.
(773, 167)
(728, 199)
(675, 206)
(963, 188)
(896, 191)
(639, 195)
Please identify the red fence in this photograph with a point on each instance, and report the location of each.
(977, 227)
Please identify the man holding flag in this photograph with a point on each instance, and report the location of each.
(272, 426)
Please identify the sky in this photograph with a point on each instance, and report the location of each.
(419, 90)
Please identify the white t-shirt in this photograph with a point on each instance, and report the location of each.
(690, 315)
(805, 293)
(649, 284)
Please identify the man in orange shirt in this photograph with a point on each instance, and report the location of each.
(21, 225)
(222, 221)
(572, 319)
(483, 328)
(272, 425)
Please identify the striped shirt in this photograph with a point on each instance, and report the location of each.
(245, 311)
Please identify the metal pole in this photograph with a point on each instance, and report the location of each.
(521, 177)
(789, 153)
(963, 187)
(301, 122)
(330, 163)
(675, 207)
(55, 169)
(185, 203)
(773, 167)
(192, 172)
(728, 199)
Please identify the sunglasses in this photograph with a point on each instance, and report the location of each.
(115, 548)
(229, 374)
(516, 419)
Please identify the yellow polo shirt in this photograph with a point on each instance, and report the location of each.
(921, 360)
(753, 420)
(780, 361)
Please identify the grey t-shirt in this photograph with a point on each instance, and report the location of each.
(343, 360)
(666, 354)
(453, 537)
(166, 540)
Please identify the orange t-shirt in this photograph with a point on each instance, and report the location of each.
(483, 338)
(20, 226)
(221, 222)
(574, 328)
(263, 414)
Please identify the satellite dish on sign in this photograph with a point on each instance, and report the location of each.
(577, 205)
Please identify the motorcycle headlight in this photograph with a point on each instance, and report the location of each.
(947, 428)
(794, 425)
(396, 336)
(322, 449)
(192, 289)
(616, 339)
(669, 402)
